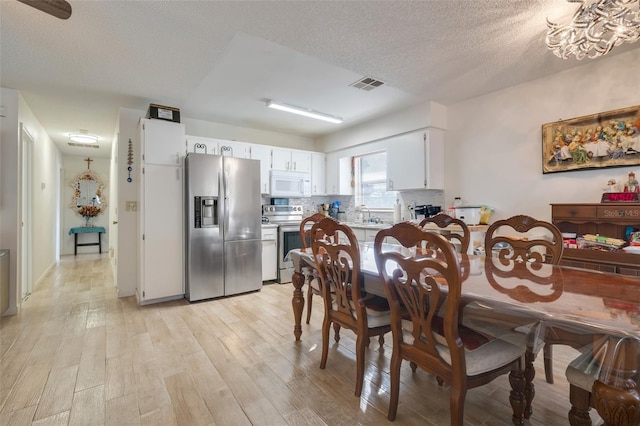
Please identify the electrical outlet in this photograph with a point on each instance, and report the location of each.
(131, 206)
(411, 205)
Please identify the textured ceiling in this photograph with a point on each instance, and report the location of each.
(219, 61)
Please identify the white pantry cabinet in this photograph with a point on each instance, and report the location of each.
(165, 142)
(416, 161)
(318, 175)
(160, 228)
(263, 153)
(291, 160)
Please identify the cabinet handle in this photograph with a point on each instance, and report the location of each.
(288, 165)
(295, 166)
(390, 185)
(177, 158)
(177, 174)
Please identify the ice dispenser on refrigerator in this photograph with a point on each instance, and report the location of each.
(205, 212)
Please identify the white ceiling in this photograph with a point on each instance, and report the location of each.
(221, 60)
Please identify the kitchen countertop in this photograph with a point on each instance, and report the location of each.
(269, 225)
(472, 228)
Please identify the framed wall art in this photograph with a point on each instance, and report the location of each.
(606, 139)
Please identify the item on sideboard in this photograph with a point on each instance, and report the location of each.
(634, 238)
(612, 186)
(620, 197)
(632, 183)
(599, 242)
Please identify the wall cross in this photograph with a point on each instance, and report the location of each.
(88, 160)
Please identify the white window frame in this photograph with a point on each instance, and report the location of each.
(357, 176)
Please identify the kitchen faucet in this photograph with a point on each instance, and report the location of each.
(362, 206)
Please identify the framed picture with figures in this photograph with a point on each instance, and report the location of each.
(606, 139)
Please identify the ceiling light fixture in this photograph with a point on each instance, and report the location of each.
(595, 28)
(83, 136)
(304, 111)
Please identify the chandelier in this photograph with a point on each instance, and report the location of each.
(595, 28)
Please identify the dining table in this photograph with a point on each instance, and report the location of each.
(597, 313)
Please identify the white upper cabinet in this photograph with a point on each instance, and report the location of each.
(291, 160)
(235, 149)
(166, 142)
(416, 161)
(338, 175)
(262, 153)
(203, 145)
(318, 175)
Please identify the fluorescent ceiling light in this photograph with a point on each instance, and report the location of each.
(304, 111)
(83, 137)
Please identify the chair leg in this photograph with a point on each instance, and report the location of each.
(309, 300)
(326, 327)
(414, 366)
(548, 363)
(361, 347)
(580, 404)
(394, 378)
(456, 405)
(336, 332)
(381, 340)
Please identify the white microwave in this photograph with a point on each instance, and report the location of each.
(290, 184)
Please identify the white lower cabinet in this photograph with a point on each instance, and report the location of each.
(269, 253)
(161, 246)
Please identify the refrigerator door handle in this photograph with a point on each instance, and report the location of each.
(225, 215)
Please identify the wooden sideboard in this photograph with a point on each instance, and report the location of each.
(606, 219)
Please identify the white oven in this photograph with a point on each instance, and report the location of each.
(290, 184)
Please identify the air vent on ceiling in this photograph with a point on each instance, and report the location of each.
(367, 83)
(83, 145)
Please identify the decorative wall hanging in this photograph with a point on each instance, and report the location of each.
(606, 139)
(88, 198)
(130, 161)
(201, 146)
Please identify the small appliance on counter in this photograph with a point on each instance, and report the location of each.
(468, 214)
(426, 210)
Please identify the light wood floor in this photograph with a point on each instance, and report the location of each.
(77, 355)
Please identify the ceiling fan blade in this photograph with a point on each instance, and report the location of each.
(58, 8)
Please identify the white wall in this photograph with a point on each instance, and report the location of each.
(493, 147)
(428, 114)
(46, 165)
(244, 134)
(45, 189)
(9, 187)
(72, 165)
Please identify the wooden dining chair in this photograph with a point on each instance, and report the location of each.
(541, 244)
(346, 305)
(423, 287)
(443, 220)
(312, 281)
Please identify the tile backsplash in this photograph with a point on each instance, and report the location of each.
(347, 205)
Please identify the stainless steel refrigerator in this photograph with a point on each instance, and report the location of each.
(223, 247)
